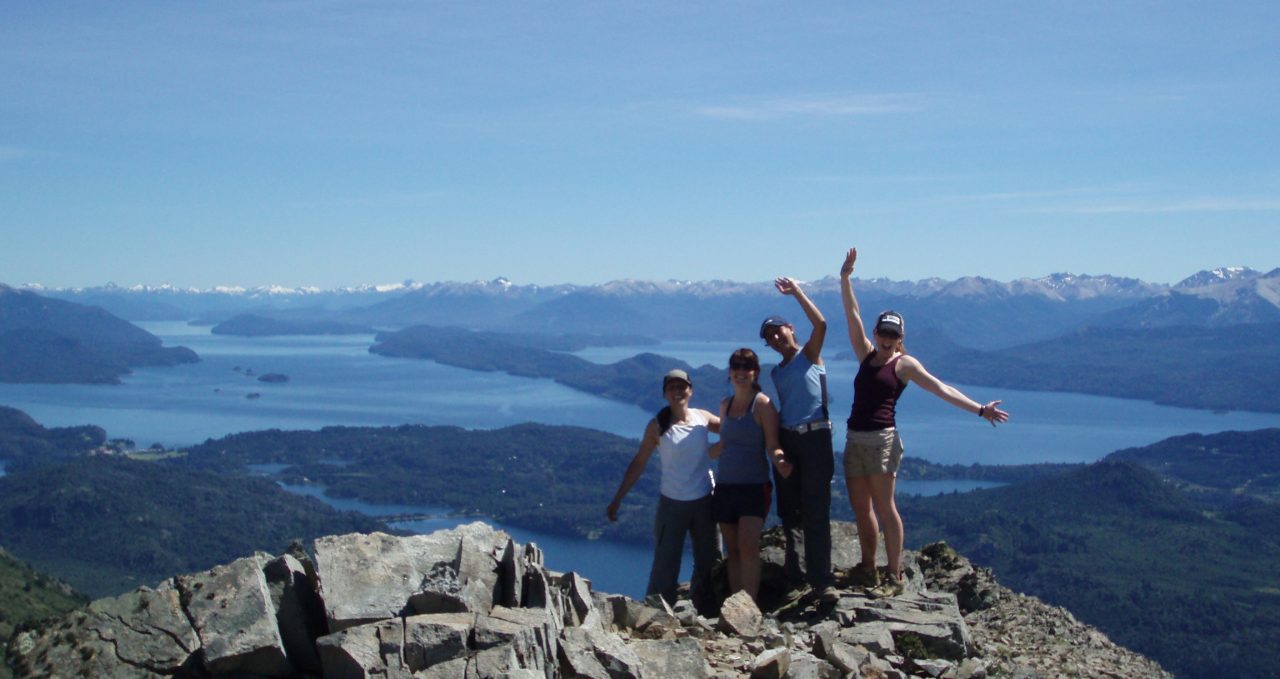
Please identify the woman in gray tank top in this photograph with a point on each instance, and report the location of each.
(748, 441)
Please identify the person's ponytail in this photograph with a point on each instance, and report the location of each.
(664, 420)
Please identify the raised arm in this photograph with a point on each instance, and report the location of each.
(852, 313)
(813, 348)
(767, 418)
(635, 469)
(913, 370)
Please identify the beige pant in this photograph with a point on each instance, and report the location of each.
(872, 452)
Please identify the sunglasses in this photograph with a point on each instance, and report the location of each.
(889, 334)
(740, 365)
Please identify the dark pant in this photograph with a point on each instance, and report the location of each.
(675, 519)
(804, 504)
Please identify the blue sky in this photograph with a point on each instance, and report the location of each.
(330, 143)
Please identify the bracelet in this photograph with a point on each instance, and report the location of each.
(982, 410)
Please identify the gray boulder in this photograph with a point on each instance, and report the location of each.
(362, 651)
(740, 616)
(432, 639)
(671, 658)
(141, 634)
(363, 578)
(231, 609)
(299, 612)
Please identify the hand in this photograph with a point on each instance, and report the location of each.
(993, 414)
(786, 286)
(784, 467)
(612, 511)
(850, 258)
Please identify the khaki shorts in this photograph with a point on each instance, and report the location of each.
(872, 452)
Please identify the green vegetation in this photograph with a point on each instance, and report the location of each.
(554, 479)
(1186, 581)
(1128, 553)
(107, 524)
(27, 595)
(915, 469)
(1219, 468)
(24, 442)
(1194, 367)
(633, 380)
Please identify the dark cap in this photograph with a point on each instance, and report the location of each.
(676, 374)
(770, 322)
(891, 321)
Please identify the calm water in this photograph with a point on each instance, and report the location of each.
(334, 380)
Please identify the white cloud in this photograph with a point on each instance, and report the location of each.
(827, 107)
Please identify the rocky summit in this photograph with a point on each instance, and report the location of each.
(472, 603)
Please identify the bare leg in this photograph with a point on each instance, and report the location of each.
(860, 500)
(749, 528)
(882, 488)
(733, 556)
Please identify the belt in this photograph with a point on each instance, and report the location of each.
(806, 427)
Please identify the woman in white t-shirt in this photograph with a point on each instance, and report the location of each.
(680, 435)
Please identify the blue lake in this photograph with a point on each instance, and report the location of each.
(335, 381)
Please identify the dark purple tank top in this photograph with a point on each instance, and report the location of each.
(875, 395)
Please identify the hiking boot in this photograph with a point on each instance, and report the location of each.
(862, 577)
(891, 586)
(797, 594)
(829, 595)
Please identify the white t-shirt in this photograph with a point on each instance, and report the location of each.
(686, 468)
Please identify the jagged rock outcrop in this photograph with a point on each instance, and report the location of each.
(471, 603)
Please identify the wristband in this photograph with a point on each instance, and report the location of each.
(982, 410)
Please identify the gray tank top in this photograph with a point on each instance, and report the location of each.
(743, 459)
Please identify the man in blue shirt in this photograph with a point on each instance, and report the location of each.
(804, 497)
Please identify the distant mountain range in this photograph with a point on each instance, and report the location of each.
(971, 312)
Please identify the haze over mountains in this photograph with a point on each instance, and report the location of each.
(972, 312)
(1102, 335)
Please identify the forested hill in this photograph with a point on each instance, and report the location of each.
(54, 341)
(107, 524)
(1125, 551)
(635, 380)
(1224, 469)
(24, 441)
(27, 595)
(1217, 368)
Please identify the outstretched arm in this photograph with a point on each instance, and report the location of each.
(852, 313)
(635, 469)
(812, 348)
(912, 370)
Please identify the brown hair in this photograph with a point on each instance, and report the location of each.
(745, 355)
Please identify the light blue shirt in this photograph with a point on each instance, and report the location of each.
(801, 387)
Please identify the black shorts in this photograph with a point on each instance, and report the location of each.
(732, 501)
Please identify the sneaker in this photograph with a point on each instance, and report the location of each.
(890, 586)
(829, 595)
(861, 577)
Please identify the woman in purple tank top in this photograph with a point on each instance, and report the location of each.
(873, 449)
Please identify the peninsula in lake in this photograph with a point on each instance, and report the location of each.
(633, 380)
(49, 340)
